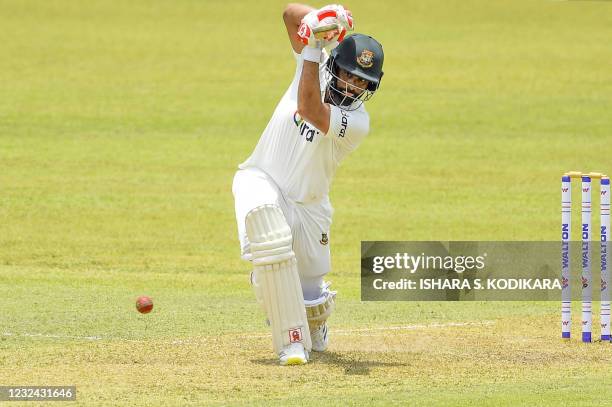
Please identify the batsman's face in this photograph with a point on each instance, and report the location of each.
(350, 84)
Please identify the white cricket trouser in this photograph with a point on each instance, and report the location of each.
(309, 225)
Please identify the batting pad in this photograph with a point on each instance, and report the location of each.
(318, 310)
(275, 276)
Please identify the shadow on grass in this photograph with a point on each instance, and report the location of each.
(352, 365)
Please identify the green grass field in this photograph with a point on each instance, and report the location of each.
(121, 126)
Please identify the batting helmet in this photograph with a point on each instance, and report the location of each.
(359, 55)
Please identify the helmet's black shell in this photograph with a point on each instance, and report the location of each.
(361, 55)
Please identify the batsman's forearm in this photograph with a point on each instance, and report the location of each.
(294, 12)
(309, 105)
(292, 16)
(309, 94)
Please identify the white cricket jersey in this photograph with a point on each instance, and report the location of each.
(299, 158)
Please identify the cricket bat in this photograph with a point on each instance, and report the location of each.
(322, 31)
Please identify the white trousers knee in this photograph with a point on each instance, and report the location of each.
(309, 225)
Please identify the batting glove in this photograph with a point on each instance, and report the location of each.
(343, 17)
(322, 28)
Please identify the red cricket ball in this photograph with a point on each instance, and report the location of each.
(144, 304)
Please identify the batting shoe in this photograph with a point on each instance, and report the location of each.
(320, 338)
(294, 354)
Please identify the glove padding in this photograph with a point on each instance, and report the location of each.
(313, 33)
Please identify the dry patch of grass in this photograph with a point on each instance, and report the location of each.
(239, 367)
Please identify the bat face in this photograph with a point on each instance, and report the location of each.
(326, 31)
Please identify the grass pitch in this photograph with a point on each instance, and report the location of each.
(121, 125)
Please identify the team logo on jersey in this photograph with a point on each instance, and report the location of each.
(366, 58)
(304, 128)
(324, 239)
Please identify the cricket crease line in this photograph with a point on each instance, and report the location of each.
(338, 332)
(31, 335)
(393, 328)
(414, 327)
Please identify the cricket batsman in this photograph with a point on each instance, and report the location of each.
(281, 191)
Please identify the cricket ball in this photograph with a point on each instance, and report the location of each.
(144, 304)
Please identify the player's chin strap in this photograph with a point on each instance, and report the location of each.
(318, 310)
